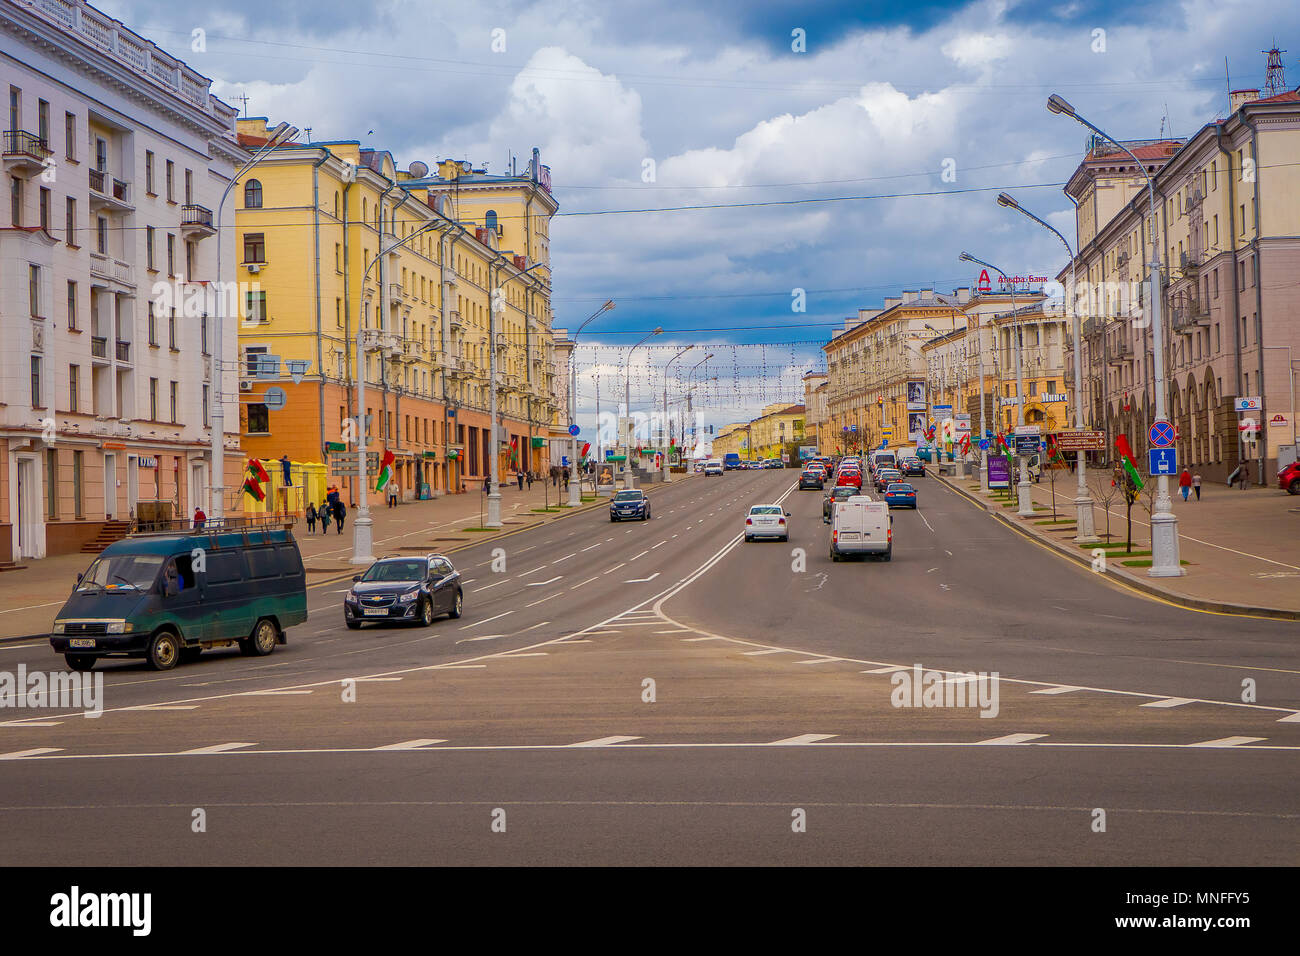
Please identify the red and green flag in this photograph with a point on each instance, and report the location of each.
(1126, 457)
(586, 447)
(255, 474)
(514, 452)
(385, 470)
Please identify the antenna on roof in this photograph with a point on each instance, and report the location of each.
(244, 98)
(1275, 75)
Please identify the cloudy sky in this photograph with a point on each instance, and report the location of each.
(817, 138)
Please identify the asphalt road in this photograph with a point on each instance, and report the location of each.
(663, 693)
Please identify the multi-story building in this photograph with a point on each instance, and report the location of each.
(816, 415)
(1043, 341)
(561, 355)
(732, 439)
(115, 157)
(771, 434)
(395, 273)
(1227, 223)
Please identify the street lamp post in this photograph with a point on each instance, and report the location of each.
(627, 408)
(575, 489)
(984, 432)
(666, 474)
(1084, 530)
(690, 378)
(1165, 561)
(1023, 492)
(362, 533)
(216, 486)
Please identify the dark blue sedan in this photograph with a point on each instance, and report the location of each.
(900, 494)
(630, 503)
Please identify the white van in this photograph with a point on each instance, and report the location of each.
(713, 467)
(861, 526)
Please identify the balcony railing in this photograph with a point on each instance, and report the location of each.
(1120, 352)
(123, 351)
(196, 216)
(19, 142)
(99, 347)
(1188, 318)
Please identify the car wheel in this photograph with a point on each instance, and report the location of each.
(749, 538)
(353, 625)
(426, 612)
(80, 662)
(612, 519)
(457, 605)
(835, 558)
(1294, 487)
(163, 651)
(785, 537)
(889, 553)
(262, 641)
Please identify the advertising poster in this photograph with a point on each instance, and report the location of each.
(916, 426)
(999, 472)
(916, 397)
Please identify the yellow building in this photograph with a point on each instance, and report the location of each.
(774, 431)
(732, 439)
(353, 263)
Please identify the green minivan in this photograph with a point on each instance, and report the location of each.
(168, 597)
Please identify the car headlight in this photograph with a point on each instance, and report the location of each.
(120, 627)
(409, 596)
(59, 627)
(351, 597)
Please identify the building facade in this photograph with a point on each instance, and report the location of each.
(115, 158)
(367, 269)
(816, 415)
(1228, 226)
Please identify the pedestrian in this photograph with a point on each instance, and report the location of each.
(530, 480)
(487, 485)
(310, 515)
(200, 519)
(519, 476)
(565, 473)
(340, 512)
(1196, 485)
(323, 512)
(394, 493)
(1185, 483)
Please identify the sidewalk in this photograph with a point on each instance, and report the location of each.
(1241, 548)
(30, 598)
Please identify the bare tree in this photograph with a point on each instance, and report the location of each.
(1105, 489)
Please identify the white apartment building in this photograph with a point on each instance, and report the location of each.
(115, 156)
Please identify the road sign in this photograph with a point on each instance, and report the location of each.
(1163, 461)
(275, 398)
(887, 431)
(573, 430)
(1081, 441)
(984, 444)
(853, 428)
(942, 412)
(1250, 403)
(1034, 430)
(1277, 421)
(963, 424)
(1162, 434)
(1026, 444)
(1248, 427)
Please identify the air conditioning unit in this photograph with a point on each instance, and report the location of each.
(254, 267)
(245, 386)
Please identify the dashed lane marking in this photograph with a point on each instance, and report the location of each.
(35, 751)
(542, 584)
(1013, 739)
(1062, 689)
(487, 620)
(802, 739)
(1167, 702)
(580, 584)
(603, 741)
(1228, 742)
(412, 744)
(218, 748)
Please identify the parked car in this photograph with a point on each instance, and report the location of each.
(713, 467)
(168, 597)
(834, 496)
(767, 521)
(861, 526)
(1289, 478)
(900, 494)
(630, 503)
(404, 590)
(812, 478)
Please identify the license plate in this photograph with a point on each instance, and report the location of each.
(376, 612)
(849, 534)
(81, 642)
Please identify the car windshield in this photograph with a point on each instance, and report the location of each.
(629, 496)
(845, 492)
(396, 571)
(899, 486)
(122, 572)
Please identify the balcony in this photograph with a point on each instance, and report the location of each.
(114, 270)
(109, 195)
(394, 292)
(1188, 318)
(99, 347)
(1092, 327)
(1119, 353)
(1190, 264)
(454, 318)
(413, 351)
(25, 154)
(196, 222)
(123, 351)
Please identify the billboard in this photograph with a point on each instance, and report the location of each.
(916, 396)
(999, 472)
(916, 426)
(807, 451)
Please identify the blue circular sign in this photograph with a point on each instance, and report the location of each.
(1162, 434)
(573, 430)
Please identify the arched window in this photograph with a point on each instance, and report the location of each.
(253, 194)
(490, 219)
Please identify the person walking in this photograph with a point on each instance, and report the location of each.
(519, 477)
(565, 474)
(1196, 485)
(394, 493)
(200, 519)
(323, 513)
(1185, 483)
(487, 485)
(340, 512)
(310, 515)
(530, 481)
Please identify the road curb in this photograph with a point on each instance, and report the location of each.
(1191, 603)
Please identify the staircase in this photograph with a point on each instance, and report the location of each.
(112, 531)
(11, 566)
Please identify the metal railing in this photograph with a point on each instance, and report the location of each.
(99, 346)
(195, 215)
(123, 351)
(19, 142)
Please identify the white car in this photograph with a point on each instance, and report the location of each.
(713, 467)
(767, 521)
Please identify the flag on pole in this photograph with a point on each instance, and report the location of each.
(586, 447)
(255, 475)
(385, 470)
(1130, 466)
(514, 452)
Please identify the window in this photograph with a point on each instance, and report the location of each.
(255, 306)
(174, 396)
(1242, 209)
(255, 247)
(171, 254)
(15, 201)
(203, 335)
(252, 355)
(171, 330)
(78, 468)
(153, 327)
(171, 181)
(74, 387)
(51, 484)
(490, 219)
(101, 154)
(189, 187)
(205, 406)
(253, 194)
(72, 306)
(43, 122)
(338, 258)
(36, 382)
(70, 221)
(148, 171)
(259, 420)
(101, 236)
(34, 290)
(45, 209)
(153, 398)
(70, 145)
(189, 259)
(15, 108)
(148, 248)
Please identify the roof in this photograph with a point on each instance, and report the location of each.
(169, 544)
(1290, 96)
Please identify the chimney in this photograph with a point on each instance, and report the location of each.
(963, 295)
(1241, 97)
(890, 303)
(910, 295)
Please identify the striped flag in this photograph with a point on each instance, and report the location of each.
(1130, 466)
(385, 470)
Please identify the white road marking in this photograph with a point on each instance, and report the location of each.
(614, 568)
(412, 744)
(217, 748)
(372, 680)
(603, 741)
(677, 630)
(542, 584)
(927, 524)
(458, 667)
(533, 571)
(544, 600)
(819, 660)
(31, 607)
(596, 545)
(1228, 742)
(1290, 718)
(660, 544)
(1167, 702)
(534, 627)
(885, 670)
(642, 580)
(693, 640)
(1063, 689)
(773, 650)
(525, 654)
(487, 620)
(149, 707)
(1013, 739)
(485, 637)
(23, 723)
(486, 586)
(273, 693)
(19, 754)
(565, 558)
(643, 553)
(802, 739)
(588, 581)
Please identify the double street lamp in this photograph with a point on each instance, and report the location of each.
(690, 377)
(666, 475)
(627, 406)
(575, 490)
(1023, 492)
(1164, 523)
(1084, 531)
